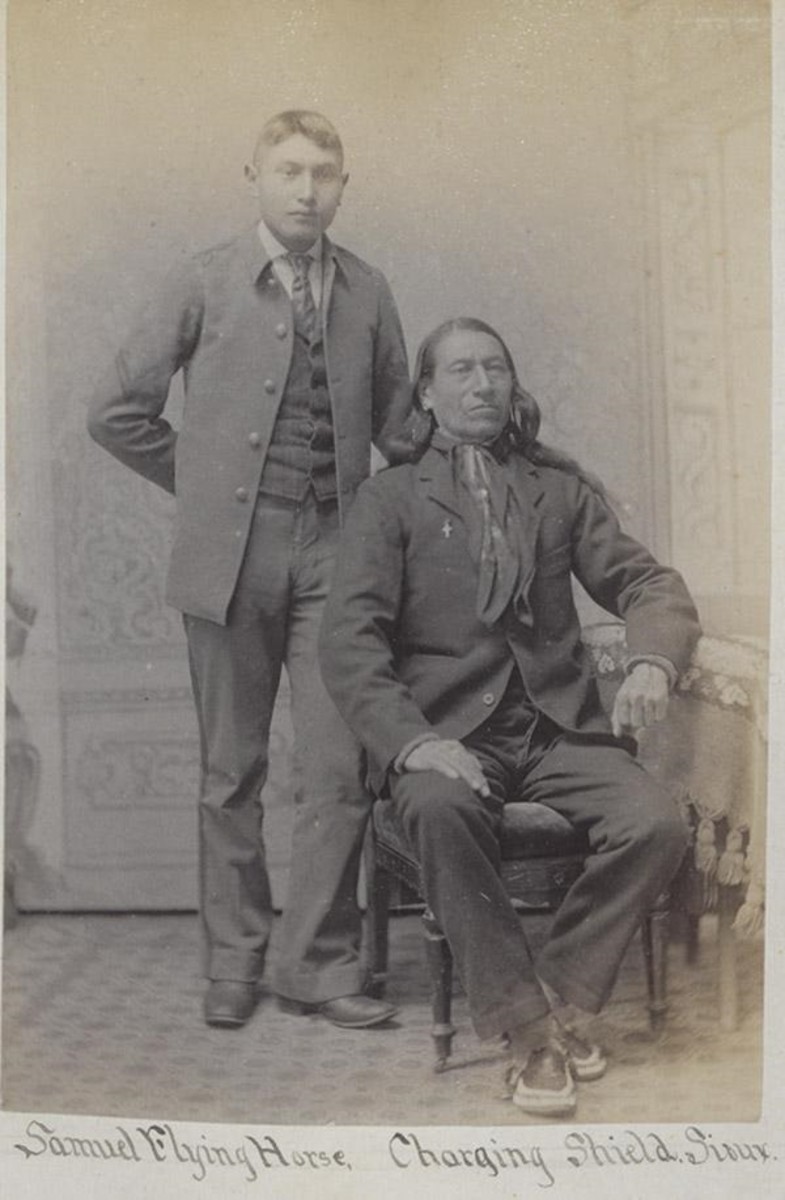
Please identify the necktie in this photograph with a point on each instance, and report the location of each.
(305, 315)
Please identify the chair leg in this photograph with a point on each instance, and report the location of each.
(377, 920)
(692, 939)
(439, 958)
(727, 905)
(654, 935)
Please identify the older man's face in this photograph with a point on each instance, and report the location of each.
(470, 391)
(299, 187)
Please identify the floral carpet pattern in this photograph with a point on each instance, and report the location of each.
(102, 1015)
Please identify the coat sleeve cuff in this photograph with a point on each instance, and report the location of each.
(657, 660)
(402, 755)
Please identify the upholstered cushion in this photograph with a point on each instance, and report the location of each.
(536, 831)
(528, 831)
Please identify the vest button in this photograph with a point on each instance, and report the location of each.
(488, 698)
(241, 494)
(280, 330)
(269, 386)
(255, 439)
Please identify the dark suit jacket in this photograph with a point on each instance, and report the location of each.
(226, 321)
(402, 650)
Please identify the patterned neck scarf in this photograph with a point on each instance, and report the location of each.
(504, 563)
(498, 568)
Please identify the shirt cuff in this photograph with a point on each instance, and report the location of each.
(402, 755)
(656, 660)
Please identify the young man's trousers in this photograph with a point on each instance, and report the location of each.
(273, 623)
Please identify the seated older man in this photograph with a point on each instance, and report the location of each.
(451, 644)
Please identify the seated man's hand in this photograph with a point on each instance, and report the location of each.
(449, 758)
(641, 700)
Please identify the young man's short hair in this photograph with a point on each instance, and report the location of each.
(310, 124)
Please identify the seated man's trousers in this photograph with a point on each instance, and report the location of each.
(273, 622)
(637, 839)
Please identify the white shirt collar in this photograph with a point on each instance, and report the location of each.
(276, 250)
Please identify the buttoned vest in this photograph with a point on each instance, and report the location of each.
(302, 448)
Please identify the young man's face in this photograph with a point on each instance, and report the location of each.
(299, 187)
(470, 390)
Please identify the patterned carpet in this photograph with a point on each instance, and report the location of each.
(102, 1014)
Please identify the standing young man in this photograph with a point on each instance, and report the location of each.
(294, 362)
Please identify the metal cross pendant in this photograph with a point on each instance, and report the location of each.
(447, 528)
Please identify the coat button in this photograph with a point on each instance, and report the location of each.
(269, 386)
(241, 494)
(488, 698)
(280, 330)
(255, 439)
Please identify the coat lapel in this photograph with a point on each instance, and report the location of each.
(253, 253)
(437, 481)
(330, 261)
(529, 492)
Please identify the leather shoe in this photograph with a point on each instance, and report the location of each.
(347, 1012)
(228, 1003)
(357, 1012)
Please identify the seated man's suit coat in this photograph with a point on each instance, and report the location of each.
(414, 656)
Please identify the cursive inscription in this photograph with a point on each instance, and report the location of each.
(159, 1143)
(633, 1149)
(556, 1155)
(411, 1150)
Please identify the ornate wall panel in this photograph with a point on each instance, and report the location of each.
(701, 500)
(699, 117)
(110, 551)
(131, 758)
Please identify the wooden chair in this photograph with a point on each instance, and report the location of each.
(541, 857)
(710, 752)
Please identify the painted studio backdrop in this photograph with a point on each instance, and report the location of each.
(590, 177)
